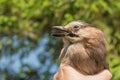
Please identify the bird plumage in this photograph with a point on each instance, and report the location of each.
(84, 48)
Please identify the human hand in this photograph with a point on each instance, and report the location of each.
(69, 73)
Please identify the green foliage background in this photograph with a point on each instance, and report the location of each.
(32, 19)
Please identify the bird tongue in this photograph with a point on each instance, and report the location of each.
(59, 31)
(58, 34)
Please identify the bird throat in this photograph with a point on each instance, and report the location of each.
(62, 55)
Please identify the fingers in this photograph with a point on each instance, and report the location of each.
(104, 75)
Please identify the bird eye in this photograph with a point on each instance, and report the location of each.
(76, 26)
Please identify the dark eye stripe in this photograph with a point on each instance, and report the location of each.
(76, 26)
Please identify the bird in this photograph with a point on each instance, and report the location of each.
(84, 47)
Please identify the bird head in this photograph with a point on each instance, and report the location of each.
(71, 33)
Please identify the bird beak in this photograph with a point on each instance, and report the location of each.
(60, 31)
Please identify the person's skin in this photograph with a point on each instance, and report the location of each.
(69, 73)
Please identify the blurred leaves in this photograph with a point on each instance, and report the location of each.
(31, 20)
(114, 61)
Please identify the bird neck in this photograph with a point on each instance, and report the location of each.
(63, 53)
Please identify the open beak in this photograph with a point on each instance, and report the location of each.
(59, 31)
(62, 32)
